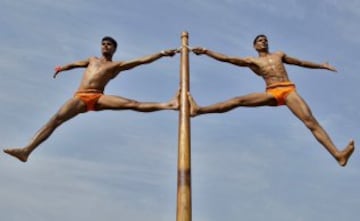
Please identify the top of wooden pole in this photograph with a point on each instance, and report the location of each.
(184, 34)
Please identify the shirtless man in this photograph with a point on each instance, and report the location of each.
(279, 91)
(90, 97)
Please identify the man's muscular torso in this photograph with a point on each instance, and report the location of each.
(270, 67)
(98, 73)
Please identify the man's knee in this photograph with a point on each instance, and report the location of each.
(56, 120)
(310, 122)
(132, 104)
(60, 118)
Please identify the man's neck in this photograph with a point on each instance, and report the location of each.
(107, 57)
(263, 53)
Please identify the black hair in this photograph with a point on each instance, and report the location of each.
(108, 38)
(257, 37)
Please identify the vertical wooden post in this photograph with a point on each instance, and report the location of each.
(184, 150)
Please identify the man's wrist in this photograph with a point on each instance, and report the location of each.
(58, 68)
(323, 66)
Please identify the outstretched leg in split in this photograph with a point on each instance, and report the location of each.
(250, 100)
(109, 102)
(299, 107)
(69, 110)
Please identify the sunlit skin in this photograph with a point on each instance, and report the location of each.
(270, 66)
(98, 72)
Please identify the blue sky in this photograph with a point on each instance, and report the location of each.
(248, 164)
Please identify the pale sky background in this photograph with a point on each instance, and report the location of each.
(251, 164)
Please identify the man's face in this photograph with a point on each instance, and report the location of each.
(261, 44)
(107, 47)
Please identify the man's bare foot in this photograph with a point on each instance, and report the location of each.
(346, 153)
(194, 108)
(19, 153)
(174, 102)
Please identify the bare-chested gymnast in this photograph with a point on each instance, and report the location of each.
(90, 97)
(279, 91)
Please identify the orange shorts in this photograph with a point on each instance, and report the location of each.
(280, 91)
(90, 98)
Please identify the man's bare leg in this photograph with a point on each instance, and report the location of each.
(173, 104)
(299, 107)
(72, 108)
(250, 100)
(108, 102)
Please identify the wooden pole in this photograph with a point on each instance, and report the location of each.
(184, 150)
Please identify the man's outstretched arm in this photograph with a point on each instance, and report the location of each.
(245, 62)
(77, 64)
(145, 60)
(308, 64)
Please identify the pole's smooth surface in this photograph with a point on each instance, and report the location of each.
(184, 150)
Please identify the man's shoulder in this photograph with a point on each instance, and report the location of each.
(249, 59)
(93, 58)
(252, 59)
(279, 53)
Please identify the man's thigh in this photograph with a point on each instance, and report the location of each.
(71, 108)
(111, 102)
(258, 99)
(298, 105)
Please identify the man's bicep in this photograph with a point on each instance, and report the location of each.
(82, 63)
(245, 62)
(291, 60)
(76, 64)
(126, 65)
